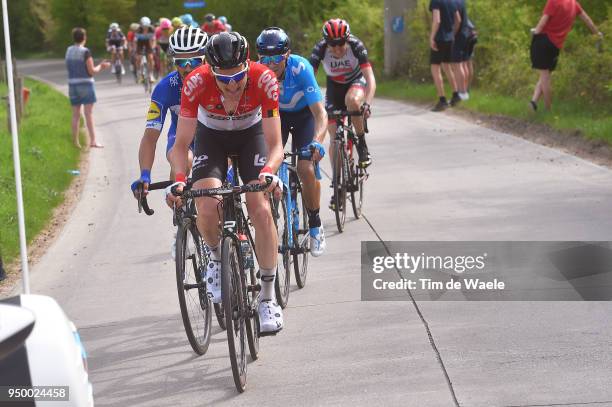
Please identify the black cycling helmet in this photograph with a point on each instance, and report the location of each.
(273, 41)
(227, 50)
(209, 17)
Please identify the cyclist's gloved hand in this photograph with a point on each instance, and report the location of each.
(144, 180)
(266, 175)
(367, 111)
(172, 192)
(317, 149)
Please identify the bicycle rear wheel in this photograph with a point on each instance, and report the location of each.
(283, 266)
(195, 306)
(118, 69)
(339, 186)
(356, 183)
(235, 315)
(301, 239)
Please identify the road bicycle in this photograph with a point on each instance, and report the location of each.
(190, 265)
(240, 284)
(347, 176)
(145, 73)
(291, 219)
(118, 70)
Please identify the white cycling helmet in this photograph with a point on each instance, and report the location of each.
(113, 26)
(187, 39)
(145, 22)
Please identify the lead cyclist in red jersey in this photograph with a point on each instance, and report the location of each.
(231, 106)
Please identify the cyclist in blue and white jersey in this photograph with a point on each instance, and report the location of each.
(187, 49)
(302, 114)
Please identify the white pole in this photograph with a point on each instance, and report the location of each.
(25, 274)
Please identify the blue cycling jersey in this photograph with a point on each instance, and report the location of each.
(166, 96)
(299, 89)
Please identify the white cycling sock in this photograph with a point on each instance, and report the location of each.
(267, 283)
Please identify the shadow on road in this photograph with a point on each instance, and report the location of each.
(142, 361)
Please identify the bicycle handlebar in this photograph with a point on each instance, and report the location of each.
(143, 204)
(224, 191)
(307, 154)
(341, 114)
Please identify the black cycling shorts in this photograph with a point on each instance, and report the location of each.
(544, 54)
(336, 92)
(144, 47)
(443, 54)
(301, 125)
(213, 147)
(164, 47)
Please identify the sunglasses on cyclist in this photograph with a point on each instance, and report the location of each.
(336, 43)
(183, 62)
(237, 77)
(271, 59)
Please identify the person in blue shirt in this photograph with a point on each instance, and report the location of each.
(187, 49)
(302, 114)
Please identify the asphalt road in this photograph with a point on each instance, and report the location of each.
(434, 177)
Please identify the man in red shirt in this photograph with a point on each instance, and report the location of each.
(548, 39)
(212, 25)
(229, 106)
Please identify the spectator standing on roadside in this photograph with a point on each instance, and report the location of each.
(444, 19)
(81, 70)
(548, 39)
(468, 64)
(211, 25)
(458, 55)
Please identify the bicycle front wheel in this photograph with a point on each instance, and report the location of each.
(283, 271)
(301, 239)
(355, 183)
(233, 306)
(339, 186)
(195, 306)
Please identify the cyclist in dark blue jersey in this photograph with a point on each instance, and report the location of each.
(302, 114)
(187, 49)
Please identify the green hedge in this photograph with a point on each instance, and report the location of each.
(502, 54)
(45, 25)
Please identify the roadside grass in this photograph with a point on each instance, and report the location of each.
(592, 122)
(47, 154)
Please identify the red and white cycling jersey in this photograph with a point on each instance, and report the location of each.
(202, 98)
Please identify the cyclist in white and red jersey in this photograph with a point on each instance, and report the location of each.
(231, 106)
(350, 78)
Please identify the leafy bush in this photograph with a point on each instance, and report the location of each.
(302, 20)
